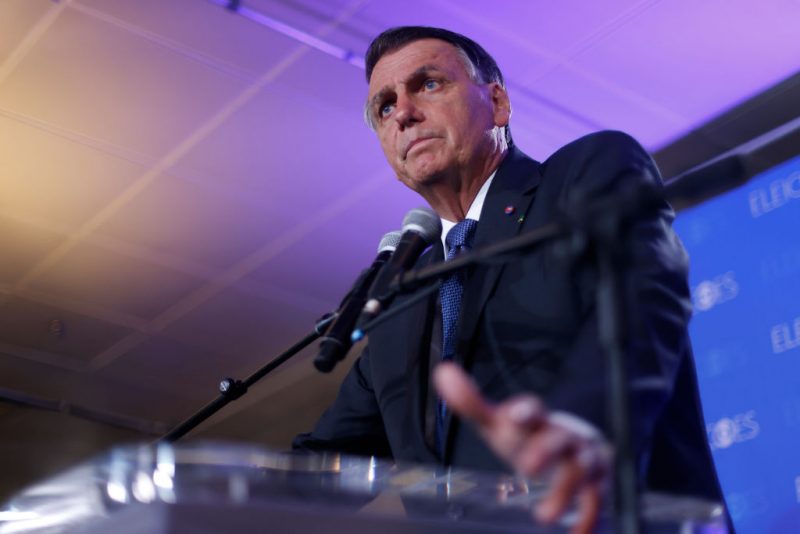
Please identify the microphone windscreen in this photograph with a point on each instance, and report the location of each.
(389, 241)
(425, 222)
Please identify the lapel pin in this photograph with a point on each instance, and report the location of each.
(509, 210)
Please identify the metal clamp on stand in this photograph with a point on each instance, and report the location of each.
(232, 388)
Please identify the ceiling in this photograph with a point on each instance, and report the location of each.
(185, 189)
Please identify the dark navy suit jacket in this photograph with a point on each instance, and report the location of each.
(531, 326)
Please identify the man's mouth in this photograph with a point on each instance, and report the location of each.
(416, 142)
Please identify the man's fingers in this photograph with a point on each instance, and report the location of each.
(525, 411)
(563, 488)
(595, 460)
(589, 503)
(576, 476)
(460, 394)
(520, 431)
(542, 450)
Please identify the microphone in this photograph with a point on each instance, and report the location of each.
(336, 342)
(421, 227)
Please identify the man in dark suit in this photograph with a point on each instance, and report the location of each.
(526, 388)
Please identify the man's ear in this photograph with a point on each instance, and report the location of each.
(501, 105)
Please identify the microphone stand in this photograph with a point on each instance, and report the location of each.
(231, 389)
(611, 255)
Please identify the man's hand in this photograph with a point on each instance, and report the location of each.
(533, 441)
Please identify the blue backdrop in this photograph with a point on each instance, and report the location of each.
(745, 279)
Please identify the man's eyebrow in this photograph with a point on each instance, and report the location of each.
(425, 69)
(419, 72)
(379, 96)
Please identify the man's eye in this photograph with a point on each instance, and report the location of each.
(385, 109)
(430, 85)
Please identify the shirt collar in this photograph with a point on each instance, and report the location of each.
(474, 211)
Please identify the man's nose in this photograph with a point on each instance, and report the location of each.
(406, 112)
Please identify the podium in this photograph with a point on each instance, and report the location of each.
(211, 487)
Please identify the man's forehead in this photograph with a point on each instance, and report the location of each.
(404, 61)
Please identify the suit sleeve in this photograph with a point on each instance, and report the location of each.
(353, 423)
(657, 304)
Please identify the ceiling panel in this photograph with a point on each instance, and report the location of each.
(190, 221)
(547, 127)
(24, 246)
(374, 17)
(17, 17)
(264, 151)
(133, 398)
(33, 325)
(519, 36)
(312, 265)
(111, 280)
(269, 290)
(239, 329)
(308, 14)
(603, 106)
(37, 378)
(559, 27)
(308, 267)
(199, 30)
(699, 59)
(153, 100)
(335, 85)
(56, 179)
(130, 398)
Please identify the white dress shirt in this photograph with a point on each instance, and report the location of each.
(474, 211)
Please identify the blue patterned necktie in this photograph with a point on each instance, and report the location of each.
(459, 240)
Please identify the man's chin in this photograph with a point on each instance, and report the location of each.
(422, 171)
(421, 181)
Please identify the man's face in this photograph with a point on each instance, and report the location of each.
(432, 119)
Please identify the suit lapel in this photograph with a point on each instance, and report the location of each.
(420, 325)
(512, 190)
